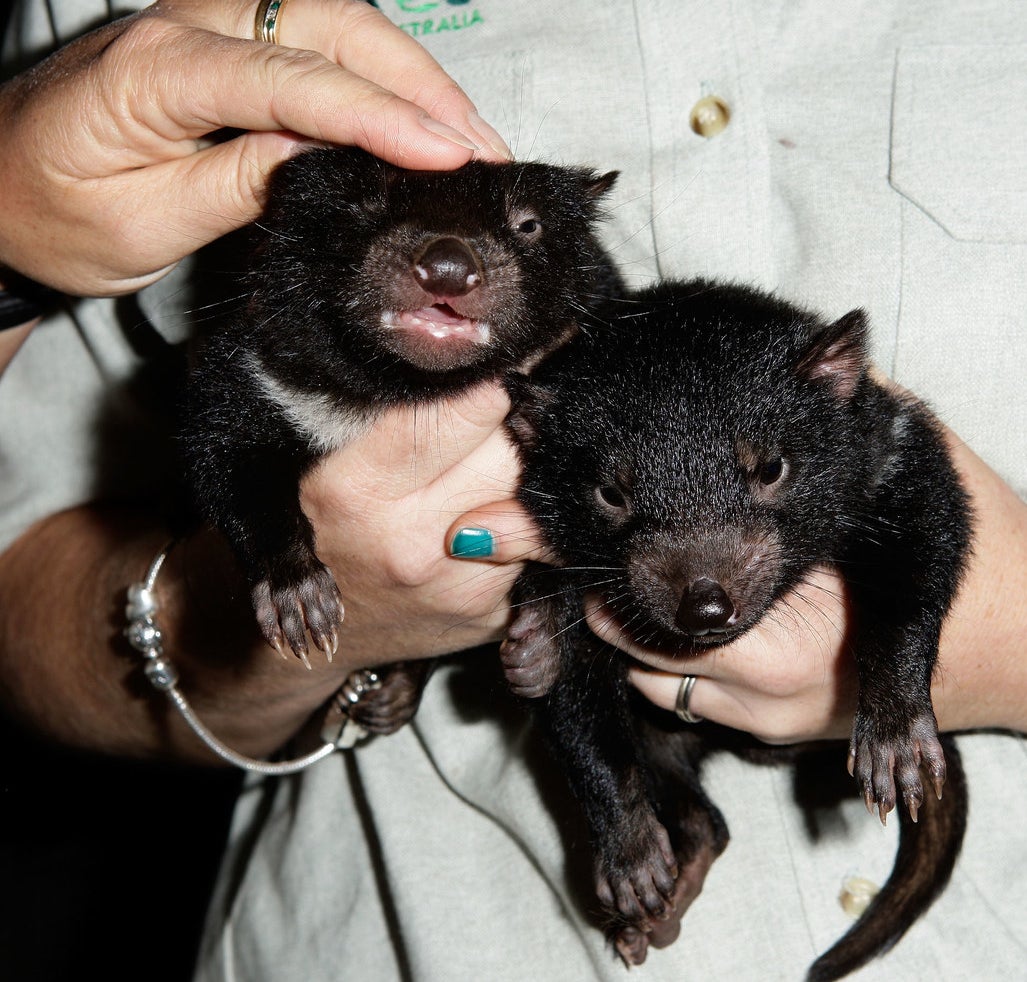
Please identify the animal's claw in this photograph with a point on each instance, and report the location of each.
(287, 612)
(887, 762)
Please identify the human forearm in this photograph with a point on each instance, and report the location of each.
(981, 677)
(380, 508)
(17, 324)
(66, 671)
(11, 340)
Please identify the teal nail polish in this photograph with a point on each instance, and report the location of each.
(472, 543)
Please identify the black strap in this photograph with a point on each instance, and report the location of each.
(15, 311)
(22, 300)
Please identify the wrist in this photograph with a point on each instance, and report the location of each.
(145, 636)
(254, 699)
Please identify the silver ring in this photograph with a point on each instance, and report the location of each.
(684, 695)
(265, 24)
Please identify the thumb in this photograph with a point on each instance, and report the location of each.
(500, 532)
(220, 188)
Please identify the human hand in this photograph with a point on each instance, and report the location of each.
(386, 509)
(110, 173)
(790, 679)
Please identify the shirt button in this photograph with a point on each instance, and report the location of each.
(856, 894)
(709, 116)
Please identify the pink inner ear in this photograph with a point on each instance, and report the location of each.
(841, 366)
(597, 187)
(838, 356)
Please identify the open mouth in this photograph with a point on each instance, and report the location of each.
(440, 321)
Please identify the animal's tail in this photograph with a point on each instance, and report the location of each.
(923, 864)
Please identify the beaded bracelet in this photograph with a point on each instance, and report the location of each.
(144, 634)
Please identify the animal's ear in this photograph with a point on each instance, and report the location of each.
(837, 354)
(530, 401)
(596, 186)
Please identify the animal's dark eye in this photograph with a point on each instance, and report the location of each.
(771, 471)
(525, 223)
(612, 498)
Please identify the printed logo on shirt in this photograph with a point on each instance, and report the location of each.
(429, 17)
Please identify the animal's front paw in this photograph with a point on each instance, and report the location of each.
(886, 761)
(286, 613)
(637, 886)
(530, 658)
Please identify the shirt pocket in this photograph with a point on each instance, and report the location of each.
(959, 137)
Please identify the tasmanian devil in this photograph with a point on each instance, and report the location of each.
(372, 286)
(692, 459)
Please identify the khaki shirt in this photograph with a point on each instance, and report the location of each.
(874, 155)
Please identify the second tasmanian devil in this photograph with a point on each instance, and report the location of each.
(693, 458)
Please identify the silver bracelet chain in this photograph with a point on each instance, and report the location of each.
(144, 634)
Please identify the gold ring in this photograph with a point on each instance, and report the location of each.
(265, 25)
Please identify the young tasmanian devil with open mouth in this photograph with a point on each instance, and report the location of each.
(372, 286)
(693, 459)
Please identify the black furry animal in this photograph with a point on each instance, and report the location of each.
(372, 286)
(693, 458)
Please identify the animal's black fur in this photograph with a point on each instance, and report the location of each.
(692, 459)
(348, 247)
(651, 451)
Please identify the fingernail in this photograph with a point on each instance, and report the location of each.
(441, 129)
(471, 543)
(490, 136)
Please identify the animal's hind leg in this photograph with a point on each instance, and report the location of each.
(697, 831)
(590, 731)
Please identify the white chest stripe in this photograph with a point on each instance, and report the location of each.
(318, 417)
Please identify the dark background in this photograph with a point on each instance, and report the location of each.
(106, 865)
